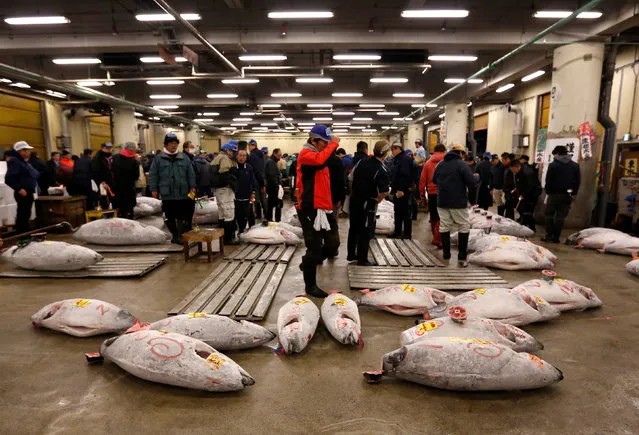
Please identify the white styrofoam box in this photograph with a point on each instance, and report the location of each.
(6, 195)
(10, 211)
(4, 214)
(3, 171)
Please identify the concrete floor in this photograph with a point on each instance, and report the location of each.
(47, 387)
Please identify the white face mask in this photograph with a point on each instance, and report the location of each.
(192, 151)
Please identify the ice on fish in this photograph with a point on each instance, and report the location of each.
(403, 300)
(605, 240)
(51, 256)
(175, 359)
(118, 231)
(561, 293)
(206, 212)
(83, 317)
(219, 332)
(296, 324)
(269, 235)
(512, 255)
(341, 317)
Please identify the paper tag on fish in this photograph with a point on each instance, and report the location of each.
(560, 280)
(505, 238)
(300, 301)
(468, 340)
(214, 361)
(82, 303)
(196, 315)
(539, 300)
(271, 227)
(340, 301)
(46, 243)
(408, 288)
(480, 291)
(423, 328)
(537, 360)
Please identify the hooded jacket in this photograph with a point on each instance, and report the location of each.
(453, 177)
(563, 174)
(426, 180)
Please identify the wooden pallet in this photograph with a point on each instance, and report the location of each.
(442, 278)
(255, 252)
(238, 289)
(401, 253)
(165, 248)
(121, 267)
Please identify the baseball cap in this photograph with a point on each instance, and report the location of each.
(171, 137)
(321, 132)
(21, 145)
(487, 154)
(106, 145)
(458, 148)
(397, 145)
(229, 146)
(252, 142)
(494, 156)
(381, 147)
(131, 146)
(409, 151)
(419, 141)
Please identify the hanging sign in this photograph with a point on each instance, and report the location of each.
(587, 138)
(541, 145)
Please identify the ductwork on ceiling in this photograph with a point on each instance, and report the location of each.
(518, 130)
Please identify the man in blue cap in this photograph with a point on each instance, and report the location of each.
(485, 171)
(172, 179)
(265, 152)
(258, 162)
(224, 178)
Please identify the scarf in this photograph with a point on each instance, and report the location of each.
(165, 151)
(128, 153)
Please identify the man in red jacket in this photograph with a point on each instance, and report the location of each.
(314, 202)
(426, 182)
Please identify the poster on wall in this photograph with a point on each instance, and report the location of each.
(442, 132)
(587, 137)
(541, 145)
(571, 143)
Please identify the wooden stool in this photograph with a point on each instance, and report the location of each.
(203, 236)
(92, 215)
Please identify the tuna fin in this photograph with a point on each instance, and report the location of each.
(137, 326)
(334, 291)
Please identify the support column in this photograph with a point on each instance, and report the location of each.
(576, 82)
(124, 126)
(192, 134)
(456, 124)
(415, 131)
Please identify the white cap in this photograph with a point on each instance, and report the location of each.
(22, 145)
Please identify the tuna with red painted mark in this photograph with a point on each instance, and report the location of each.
(403, 300)
(561, 293)
(341, 317)
(296, 324)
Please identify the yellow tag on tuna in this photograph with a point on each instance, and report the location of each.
(214, 361)
(560, 280)
(82, 303)
(340, 301)
(272, 227)
(423, 328)
(481, 291)
(300, 301)
(539, 300)
(505, 238)
(537, 360)
(196, 315)
(408, 288)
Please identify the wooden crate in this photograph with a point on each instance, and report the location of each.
(51, 210)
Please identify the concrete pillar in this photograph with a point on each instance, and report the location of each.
(124, 126)
(415, 131)
(456, 124)
(576, 82)
(192, 134)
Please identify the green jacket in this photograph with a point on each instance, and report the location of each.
(172, 177)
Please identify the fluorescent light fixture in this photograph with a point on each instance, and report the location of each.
(408, 95)
(340, 130)
(398, 119)
(417, 106)
(228, 128)
(286, 95)
(319, 106)
(280, 131)
(341, 124)
(361, 119)
(346, 66)
(55, 93)
(563, 14)
(347, 95)
(389, 80)
(203, 119)
(293, 15)
(247, 113)
(322, 119)
(271, 106)
(475, 81)
(354, 127)
(372, 106)
(394, 128)
(356, 56)
(25, 21)
(369, 130)
(209, 114)
(77, 61)
(305, 123)
(89, 83)
(239, 125)
(432, 106)
(442, 116)
(388, 113)
(454, 80)
(435, 13)
(426, 122)
(165, 107)
(165, 96)
(269, 124)
(288, 127)
(20, 85)
(403, 119)
(505, 88)
(386, 127)
(155, 118)
(240, 81)
(220, 96)
(281, 118)
(260, 128)
(164, 82)
(314, 80)
(343, 113)
(242, 119)
(167, 17)
(199, 114)
(452, 58)
(157, 59)
(137, 114)
(534, 75)
(262, 57)
(3, 80)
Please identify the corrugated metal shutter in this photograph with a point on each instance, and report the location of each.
(481, 122)
(100, 131)
(21, 119)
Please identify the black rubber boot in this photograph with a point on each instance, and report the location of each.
(462, 244)
(172, 226)
(180, 230)
(445, 245)
(310, 280)
(229, 233)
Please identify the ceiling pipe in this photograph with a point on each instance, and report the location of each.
(193, 31)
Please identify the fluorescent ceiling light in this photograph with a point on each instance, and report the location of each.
(305, 123)
(228, 128)
(386, 127)
(369, 130)
(286, 95)
(505, 88)
(319, 106)
(341, 124)
(260, 128)
(269, 124)
(452, 58)
(292, 15)
(417, 106)
(155, 118)
(403, 119)
(563, 14)
(137, 114)
(89, 83)
(369, 66)
(20, 85)
(77, 61)
(356, 128)
(203, 119)
(165, 107)
(271, 106)
(164, 82)
(262, 57)
(55, 93)
(209, 114)
(3, 80)
(343, 113)
(167, 17)
(475, 81)
(24, 21)
(432, 106)
(280, 131)
(443, 115)
(240, 81)
(408, 95)
(389, 80)
(347, 94)
(355, 56)
(388, 113)
(394, 128)
(426, 122)
(360, 119)
(323, 119)
(457, 80)
(340, 130)
(242, 119)
(288, 127)
(435, 13)
(157, 59)
(372, 106)
(281, 118)
(314, 80)
(218, 96)
(165, 96)
(534, 75)
(239, 125)
(247, 113)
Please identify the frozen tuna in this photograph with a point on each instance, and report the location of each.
(473, 327)
(290, 217)
(577, 237)
(514, 255)
(403, 300)
(341, 317)
(270, 235)
(55, 256)
(218, 332)
(385, 223)
(633, 267)
(83, 317)
(605, 240)
(296, 324)
(561, 293)
(118, 231)
(206, 212)
(284, 226)
(147, 206)
(469, 364)
(514, 308)
(175, 359)
(481, 219)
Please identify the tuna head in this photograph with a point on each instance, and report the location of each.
(593, 299)
(546, 311)
(347, 331)
(123, 320)
(521, 339)
(392, 360)
(293, 338)
(46, 313)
